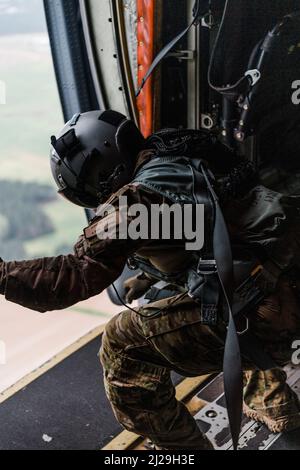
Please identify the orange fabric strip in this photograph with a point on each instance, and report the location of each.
(145, 36)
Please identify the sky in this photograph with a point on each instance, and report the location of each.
(21, 16)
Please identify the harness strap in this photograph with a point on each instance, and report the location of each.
(197, 15)
(248, 343)
(232, 366)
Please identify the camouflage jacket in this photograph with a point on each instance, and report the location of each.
(263, 220)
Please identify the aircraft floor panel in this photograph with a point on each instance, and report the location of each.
(212, 419)
(66, 408)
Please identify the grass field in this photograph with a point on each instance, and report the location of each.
(32, 113)
(69, 223)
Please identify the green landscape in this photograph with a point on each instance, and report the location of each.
(34, 221)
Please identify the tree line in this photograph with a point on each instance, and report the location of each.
(22, 217)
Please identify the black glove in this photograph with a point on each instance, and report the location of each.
(136, 287)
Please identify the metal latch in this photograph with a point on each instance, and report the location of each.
(255, 76)
(183, 55)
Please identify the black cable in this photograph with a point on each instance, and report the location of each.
(122, 301)
(226, 88)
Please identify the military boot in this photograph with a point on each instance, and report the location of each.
(269, 400)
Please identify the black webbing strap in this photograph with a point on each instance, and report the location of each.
(197, 15)
(232, 367)
(247, 343)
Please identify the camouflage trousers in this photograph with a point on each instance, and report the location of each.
(139, 352)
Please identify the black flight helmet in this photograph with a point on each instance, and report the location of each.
(94, 156)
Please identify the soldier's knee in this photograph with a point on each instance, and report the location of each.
(116, 337)
(108, 344)
(110, 333)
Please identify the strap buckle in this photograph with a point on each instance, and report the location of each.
(207, 267)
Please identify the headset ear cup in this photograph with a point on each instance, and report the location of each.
(129, 140)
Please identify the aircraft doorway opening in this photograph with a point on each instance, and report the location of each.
(34, 221)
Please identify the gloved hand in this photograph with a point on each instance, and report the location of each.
(137, 286)
(80, 249)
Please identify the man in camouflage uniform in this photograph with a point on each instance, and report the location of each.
(141, 348)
